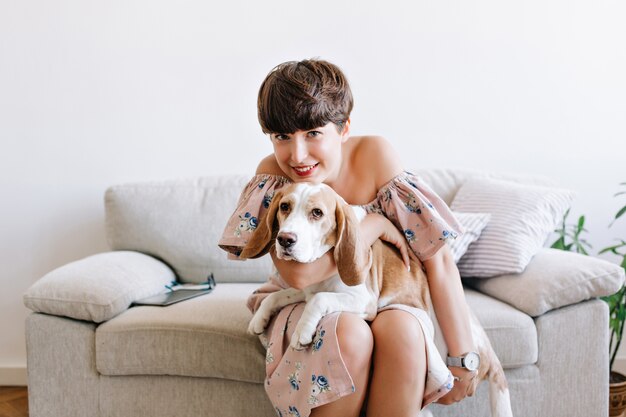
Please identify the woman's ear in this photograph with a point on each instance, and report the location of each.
(345, 133)
(352, 256)
(263, 237)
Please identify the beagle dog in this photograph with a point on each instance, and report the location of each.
(306, 220)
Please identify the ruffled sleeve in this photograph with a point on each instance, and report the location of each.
(254, 200)
(415, 209)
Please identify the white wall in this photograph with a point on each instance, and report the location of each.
(95, 93)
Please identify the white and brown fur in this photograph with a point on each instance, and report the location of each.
(367, 280)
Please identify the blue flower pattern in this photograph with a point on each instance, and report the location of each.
(267, 199)
(294, 378)
(294, 382)
(318, 341)
(319, 385)
(247, 222)
(412, 204)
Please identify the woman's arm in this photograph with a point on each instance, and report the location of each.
(300, 275)
(452, 312)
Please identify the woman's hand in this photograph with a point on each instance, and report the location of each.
(464, 386)
(376, 226)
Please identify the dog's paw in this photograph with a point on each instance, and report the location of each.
(258, 324)
(299, 343)
(296, 345)
(302, 337)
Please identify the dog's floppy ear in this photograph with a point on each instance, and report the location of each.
(263, 237)
(352, 255)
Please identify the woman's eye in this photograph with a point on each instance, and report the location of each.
(284, 206)
(314, 133)
(280, 137)
(317, 213)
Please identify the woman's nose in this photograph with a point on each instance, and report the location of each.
(299, 151)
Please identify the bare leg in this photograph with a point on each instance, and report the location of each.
(356, 344)
(399, 366)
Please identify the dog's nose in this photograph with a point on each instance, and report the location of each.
(286, 240)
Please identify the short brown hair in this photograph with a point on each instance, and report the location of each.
(304, 95)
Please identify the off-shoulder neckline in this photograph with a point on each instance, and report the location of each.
(403, 176)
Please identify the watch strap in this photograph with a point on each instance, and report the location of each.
(456, 361)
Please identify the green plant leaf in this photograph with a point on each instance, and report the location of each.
(607, 249)
(581, 223)
(613, 248)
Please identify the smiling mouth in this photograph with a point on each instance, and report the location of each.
(305, 170)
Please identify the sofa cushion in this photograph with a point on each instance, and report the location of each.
(512, 333)
(554, 279)
(206, 337)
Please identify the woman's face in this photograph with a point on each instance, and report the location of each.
(310, 155)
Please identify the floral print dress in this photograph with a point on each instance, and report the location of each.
(299, 380)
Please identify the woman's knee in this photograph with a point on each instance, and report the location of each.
(392, 327)
(399, 342)
(355, 340)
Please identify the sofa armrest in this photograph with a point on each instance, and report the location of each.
(553, 279)
(99, 287)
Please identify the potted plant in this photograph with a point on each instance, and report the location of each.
(569, 238)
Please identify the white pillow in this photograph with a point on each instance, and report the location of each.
(473, 224)
(98, 287)
(554, 279)
(522, 218)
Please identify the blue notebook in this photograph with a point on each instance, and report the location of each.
(177, 292)
(171, 297)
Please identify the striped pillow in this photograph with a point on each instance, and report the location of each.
(522, 218)
(473, 224)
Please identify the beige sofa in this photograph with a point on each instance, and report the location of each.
(89, 354)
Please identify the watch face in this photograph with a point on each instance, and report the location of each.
(472, 361)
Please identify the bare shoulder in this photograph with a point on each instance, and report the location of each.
(268, 165)
(370, 151)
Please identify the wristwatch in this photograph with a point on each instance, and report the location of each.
(469, 361)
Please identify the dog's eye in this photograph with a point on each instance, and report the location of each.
(284, 206)
(317, 213)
